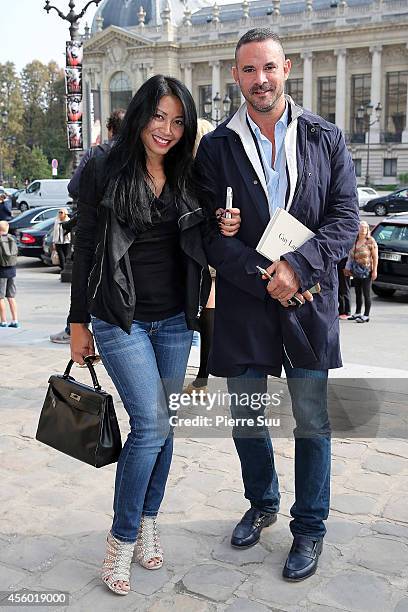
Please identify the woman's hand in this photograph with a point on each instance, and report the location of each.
(82, 342)
(229, 227)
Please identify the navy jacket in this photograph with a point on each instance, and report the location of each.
(252, 329)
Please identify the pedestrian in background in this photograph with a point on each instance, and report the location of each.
(362, 266)
(61, 241)
(5, 208)
(8, 262)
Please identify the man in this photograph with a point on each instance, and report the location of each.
(113, 125)
(275, 154)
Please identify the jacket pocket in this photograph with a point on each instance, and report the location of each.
(297, 346)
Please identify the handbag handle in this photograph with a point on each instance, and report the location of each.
(91, 369)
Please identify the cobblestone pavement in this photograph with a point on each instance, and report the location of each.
(55, 511)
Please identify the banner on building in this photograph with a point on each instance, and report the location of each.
(75, 136)
(74, 53)
(95, 117)
(74, 108)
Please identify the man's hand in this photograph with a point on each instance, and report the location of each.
(285, 282)
(82, 343)
(229, 227)
(373, 275)
(303, 297)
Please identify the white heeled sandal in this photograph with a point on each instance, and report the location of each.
(116, 565)
(148, 551)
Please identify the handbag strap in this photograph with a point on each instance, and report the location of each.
(91, 369)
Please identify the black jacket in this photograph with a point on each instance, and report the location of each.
(102, 280)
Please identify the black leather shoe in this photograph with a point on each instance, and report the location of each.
(302, 559)
(248, 530)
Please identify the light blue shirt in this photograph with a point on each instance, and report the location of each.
(276, 179)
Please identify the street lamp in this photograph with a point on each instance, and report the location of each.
(366, 114)
(73, 19)
(4, 122)
(226, 105)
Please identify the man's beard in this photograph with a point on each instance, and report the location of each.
(266, 107)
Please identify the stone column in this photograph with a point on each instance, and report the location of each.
(307, 58)
(216, 81)
(405, 132)
(188, 75)
(341, 88)
(375, 89)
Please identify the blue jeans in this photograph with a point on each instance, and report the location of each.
(308, 391)
(145, 367)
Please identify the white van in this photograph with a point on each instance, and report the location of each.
(44, 192)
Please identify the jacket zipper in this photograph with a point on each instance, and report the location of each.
(199, 294)
(287, 356)
(103, 256)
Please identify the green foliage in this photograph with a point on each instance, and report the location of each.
(36, 127)
(31, 164)
(403, 178)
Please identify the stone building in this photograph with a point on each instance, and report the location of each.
(345, 55)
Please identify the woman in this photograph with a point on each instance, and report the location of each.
(362, 266)
(144, 279)
(61, 241)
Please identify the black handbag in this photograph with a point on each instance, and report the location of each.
(79, 420)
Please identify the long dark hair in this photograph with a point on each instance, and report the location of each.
(126, 164)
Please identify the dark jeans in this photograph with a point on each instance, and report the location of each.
(63, 252)
(363, 287)
(308, 391)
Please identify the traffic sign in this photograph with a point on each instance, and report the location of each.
(54, 163)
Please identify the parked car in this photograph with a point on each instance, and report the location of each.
(365, 194)
(394, 202)
(45, 192)
(30, 239)
(391, 235)
(29, 218)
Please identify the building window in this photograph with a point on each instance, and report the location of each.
(294, 88)
(120, 91)
(204, 92)
(327, 98)
(234, 93)
(390, 167)
(395, 105)
(357, 166)
(360, 96)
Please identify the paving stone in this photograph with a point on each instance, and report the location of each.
(348, 450)
(341, 531)
(223, 551)
(147, 582)
(226, 499)
(183, 548)
(355, 592)
(369, 483)
(11, 579)
(67, 575)
(386, 528)
(88, 548)
(353, 504)
(381, 555)
(268, 586)
(402, 605)
(204, 482)
(213, 581)
(245, 605)
(180, 498)
(100, 598)
(392, 447)
(397, 509)
(385, 464)
(72, 522)
(36, 553)
(179, 602)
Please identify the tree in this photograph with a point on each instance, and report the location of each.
(11, 102)
(35, 86)
(32, 164)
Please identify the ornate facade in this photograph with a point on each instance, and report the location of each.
(344, 56)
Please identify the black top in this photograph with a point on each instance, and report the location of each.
(157, 265)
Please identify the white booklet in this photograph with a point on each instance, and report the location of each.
(283, 234)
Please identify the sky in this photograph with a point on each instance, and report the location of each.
(28, 32)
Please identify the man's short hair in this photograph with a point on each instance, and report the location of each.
(258, 35)
(114, 120)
